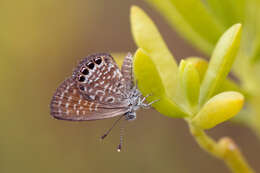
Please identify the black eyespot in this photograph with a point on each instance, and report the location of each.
(98, 60)
(85, 71)
(82, 78)
(82, 88)
(90, 65)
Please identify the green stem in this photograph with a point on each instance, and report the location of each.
(225, 149)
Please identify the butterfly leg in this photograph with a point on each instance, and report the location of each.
(148, 95)
(147, 106)
(153, 102)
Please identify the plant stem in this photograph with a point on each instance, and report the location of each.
(225, 149)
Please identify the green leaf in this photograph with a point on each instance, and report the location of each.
(228, 84)
(221, 62)
(148, 38)
(200, 64)
(191, 84)
(256, 51)
(218, 109)
(228, 12)
(119, 57)
(149, 80)
(253, 21)
(180, 96)
(192, 20)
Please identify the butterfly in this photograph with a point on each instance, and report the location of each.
(98, 89)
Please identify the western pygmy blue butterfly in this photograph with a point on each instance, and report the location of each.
(98, 90)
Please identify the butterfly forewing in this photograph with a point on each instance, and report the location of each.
(127, 71)
(69, 104)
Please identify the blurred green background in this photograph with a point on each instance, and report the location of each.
(40, 44)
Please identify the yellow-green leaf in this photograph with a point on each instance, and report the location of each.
(218, 109)
(228, 13)
(119, 57)
(192, 20)
(191, 84)
(149, 81)
(200, 64)
(148, 38)
(221, 62)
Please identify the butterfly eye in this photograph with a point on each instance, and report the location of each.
(98, 60)
(90, 65)
(82, 78)
(85, 71)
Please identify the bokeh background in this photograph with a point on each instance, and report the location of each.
(40, 44)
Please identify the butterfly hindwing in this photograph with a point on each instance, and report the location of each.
(99, 78)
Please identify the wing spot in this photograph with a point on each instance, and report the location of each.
(82, 79)
(90, 106)
(101, 98)
(85, 71)
(100, 91)
(96, 79)
(110, 99)
(90, 81)
(92, 97)
(98, 60)
(114, 74)
(82, 88)
(90, 65)
(105, 87)
(103, 68)
(96, 106)
(79, 101)
(62, 95)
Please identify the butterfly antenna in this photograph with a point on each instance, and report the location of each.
(109, 130)
(119, 147)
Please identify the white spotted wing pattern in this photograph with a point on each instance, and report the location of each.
(97, 90)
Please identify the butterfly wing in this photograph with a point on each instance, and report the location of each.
(69, 104)
(99, 79)
(127, 71)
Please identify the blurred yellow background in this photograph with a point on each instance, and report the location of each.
(40, 44)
